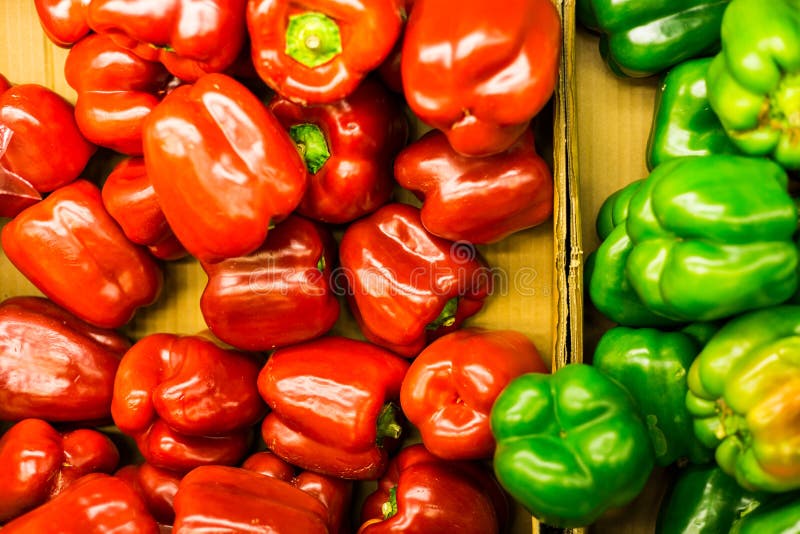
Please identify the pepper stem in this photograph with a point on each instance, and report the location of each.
(312, 39)
(389, 508)
(447, 317)
(388, 426)
(311, 144)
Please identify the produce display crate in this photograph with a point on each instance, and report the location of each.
(532, 295)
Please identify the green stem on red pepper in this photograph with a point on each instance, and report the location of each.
(311, 144)
(388, 425)
(447, 317)
(389, 508)
(312, 39)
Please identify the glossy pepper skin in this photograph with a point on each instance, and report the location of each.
(652, 366)
(683, 122)
(406, 286)
(480, 200)
(16, 193)
(129, 197)
(348, 147)
(569, 445)
(640, 38)
(334, 493)
(278, 295)
(754, 81)
(314, 53)
(780, 515)
(64, 21)
(334, 406)
(70, 248)
(704, 500)
(450, 387)
(482, 100)
(230, 499)
(222, 166)
(157, 487)
(37, 462)
(53, 365)
(743, 394)
(421, 493)
(191, 39)
(93, 504)
(46, 147)
(116, 90)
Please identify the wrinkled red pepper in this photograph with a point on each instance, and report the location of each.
(348, 147)
(190, 38)
(482, 80)
(406, 286)
(231, 499)
(319, 52)
(130, 199)
(37, 462)
(116, 90)
(334, 493)
(421, 493)
(451, 386)
(64, 21)
(279, 294)
(157, 488)
(54, 366)
(480, 200)
(93, 504)
(70, 248)
(334, 406)
(222, 166)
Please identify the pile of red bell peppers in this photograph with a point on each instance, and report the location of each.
(270, 141)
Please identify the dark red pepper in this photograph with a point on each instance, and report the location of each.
(157, 488)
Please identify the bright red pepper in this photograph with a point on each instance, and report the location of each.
(223, 167)
(230, 499)
(94, 504)
(157, 488)
(54, 366)
(116, 90)
(421, 493)
(317, 52)
(37, 463)
(480, 200)
(190, 38)
(451, 386)
(74, 252)
(483, 79)
(46, 147)
(279, 294)
(348, 147)
(334, 406)
(16, 193)
(406, 286)
(334, 493)
(64, 21)
(130, 199)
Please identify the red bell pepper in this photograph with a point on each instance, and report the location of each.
(116, 90)
(130, 199)
(348, 147)
(317, 52)
(230, 499)
(279, 294)
(222, 166)
(480, 200)
(406, 286)
(45, 147)
(157, 488)
(421, 493)
(451, 386)
(389, 70)
(37, 463)
(54, 366)
(73, 251)
(5, 85)
(483, 79)
(334, 493)
(16, 193)
(190, 38)
(63, 21)
(333, 404)
(94, 504)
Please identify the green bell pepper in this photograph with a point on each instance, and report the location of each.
(778, 516)
(683, 122)
(754, 82)
(744, 395)
(652, 365)
(614, 211)
(704, 500)
(569, 445)
(643, 37)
